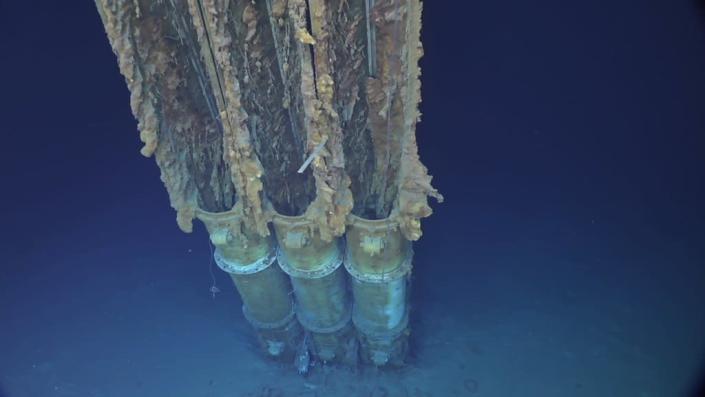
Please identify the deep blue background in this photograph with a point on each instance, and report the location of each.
(577, 113)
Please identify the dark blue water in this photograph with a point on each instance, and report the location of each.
(568, 259)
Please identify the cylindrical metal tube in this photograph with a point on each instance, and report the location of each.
(263, 287)
(323, 306)
(265, 290)
(379, 260)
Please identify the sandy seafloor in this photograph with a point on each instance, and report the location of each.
(515, 306)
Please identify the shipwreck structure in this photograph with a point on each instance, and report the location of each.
(288, 128)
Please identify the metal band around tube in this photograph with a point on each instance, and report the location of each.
(323, 270)
(233, 267)
(328, 330)
(367, 330)
(262, 325)
(402, 270)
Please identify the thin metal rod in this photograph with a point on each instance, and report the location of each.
(313, 155)
(371, 40)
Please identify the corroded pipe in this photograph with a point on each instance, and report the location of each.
(378, 258)
(265, 291)
(323, 304)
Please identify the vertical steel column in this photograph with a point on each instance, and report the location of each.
(378, 258)
(323, 304)
(265, 291)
